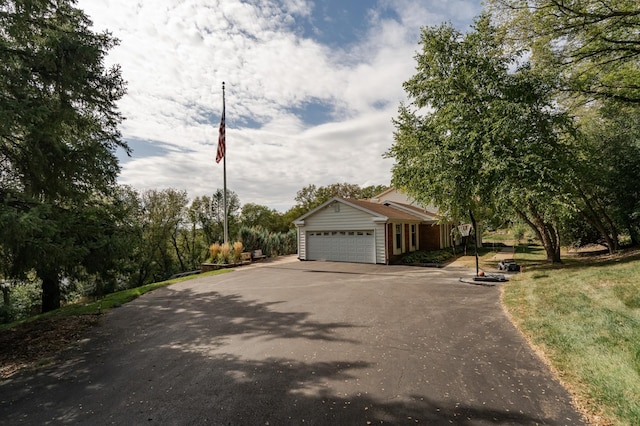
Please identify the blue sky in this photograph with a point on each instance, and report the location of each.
(311, 89)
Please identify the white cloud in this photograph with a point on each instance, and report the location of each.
(175, 55)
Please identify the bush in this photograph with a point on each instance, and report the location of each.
(25, 300)
(225, 253)
(426, 257)
(249, 238)
(271, 243)
(576, 232)
(214, 251)
(518, 231)
(237, 250)
(8, 313)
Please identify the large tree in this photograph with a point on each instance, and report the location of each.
(58, 134)
(609, 164)
(594, 46)
(595, 43)
(256, 215)
(216, 231)
(162, 215)
(481, 131)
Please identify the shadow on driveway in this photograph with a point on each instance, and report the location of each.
(269, 346)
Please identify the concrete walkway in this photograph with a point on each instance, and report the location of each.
(505, 253)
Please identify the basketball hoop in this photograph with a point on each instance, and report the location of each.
(465, 229)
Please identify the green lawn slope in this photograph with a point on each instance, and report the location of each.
(584, 316)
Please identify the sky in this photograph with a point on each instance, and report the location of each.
(312, 88)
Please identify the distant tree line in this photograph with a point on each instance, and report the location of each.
(138, 238)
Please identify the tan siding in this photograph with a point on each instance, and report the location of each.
(380, 238)
(446, 235)
(302, 244)
(347, 219)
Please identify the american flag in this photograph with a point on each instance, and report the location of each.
(221, 139)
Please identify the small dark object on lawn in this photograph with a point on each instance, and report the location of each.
(508, 265)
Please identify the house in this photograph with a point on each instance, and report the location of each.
(369, 231)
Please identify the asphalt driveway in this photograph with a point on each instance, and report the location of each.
(299, 343)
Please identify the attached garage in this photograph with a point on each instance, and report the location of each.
(341, 231)
(380, 230)
(360, 231)
(341, 246)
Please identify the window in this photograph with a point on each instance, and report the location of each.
(398, 237)
(413, 236)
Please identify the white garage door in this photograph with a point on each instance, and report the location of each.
(341, 246)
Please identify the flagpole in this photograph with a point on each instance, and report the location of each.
(224, 171)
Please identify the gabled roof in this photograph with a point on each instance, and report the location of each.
(426, 214)
(383, 193)
(400, 199)
(383, 212)
(386, 210)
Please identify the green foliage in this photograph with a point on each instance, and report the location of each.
(290, 242)
(593, 47)
(59, 119)
(110, 301)
(271, 243)
(576, 232)
(427, 257)
(161, 216)
(216, 230)
(8, 313)
(595, 44)
(24, 301)
(311, 196)
(249, 238)
(610, 164)
(58, 133)
(254, 215)
(482, 132)
(518, 230)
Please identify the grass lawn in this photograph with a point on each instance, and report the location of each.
(584, 316)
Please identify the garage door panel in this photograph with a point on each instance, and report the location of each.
(341, 246)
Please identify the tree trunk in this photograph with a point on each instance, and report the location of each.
(633, 234)
(594, 218)
(50, 292)
(546, 233)
(475, 235)
(614, 233)
(6, 294)
(550, 240)
(174, 242)
(556, 255)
